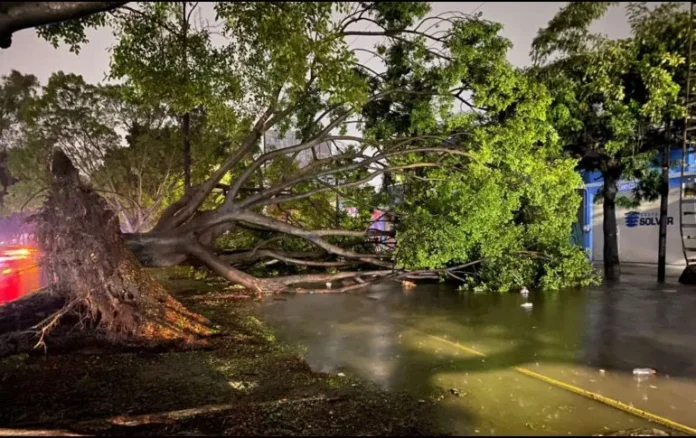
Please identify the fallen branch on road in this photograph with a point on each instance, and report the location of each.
(172, 416)
(36, 432)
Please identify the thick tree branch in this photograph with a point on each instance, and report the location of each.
(182, 210)
(16, 16)
(254, 284)
(357, 183)
(320, 278)
(234, 188)
(258, 254)
(310, 236)
(295, 261)
(258, 199)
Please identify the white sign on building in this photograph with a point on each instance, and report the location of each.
(639, 231)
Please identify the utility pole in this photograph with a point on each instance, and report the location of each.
(664, 202)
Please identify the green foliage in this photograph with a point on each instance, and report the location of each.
(615, 101)
(166, 60)
(568, 32)
(509, 202)
(506, 209)
(17, 91)
(124, 147)
(72, 32)
(512, 209)
(281, 45)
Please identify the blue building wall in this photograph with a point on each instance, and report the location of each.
(593, 182)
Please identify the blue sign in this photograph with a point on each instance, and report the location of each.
(632, 219)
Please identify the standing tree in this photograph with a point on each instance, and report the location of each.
(119, 143)
(16, 93)
(613, 99)
(169, 60)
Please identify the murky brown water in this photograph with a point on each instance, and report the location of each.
(383, 335)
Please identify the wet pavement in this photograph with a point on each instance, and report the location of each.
(591, 339)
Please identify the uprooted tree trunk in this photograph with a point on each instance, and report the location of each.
(99, 279)
(185, 232)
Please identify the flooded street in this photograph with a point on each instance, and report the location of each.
(468, 348)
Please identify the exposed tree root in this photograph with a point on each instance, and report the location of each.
(101, 282)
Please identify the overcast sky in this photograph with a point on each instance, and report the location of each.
(520, 20)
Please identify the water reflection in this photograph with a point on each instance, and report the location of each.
(568, 336)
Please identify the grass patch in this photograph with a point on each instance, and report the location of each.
(245, 366)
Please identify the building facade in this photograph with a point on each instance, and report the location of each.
(272, 140)
(638, 228)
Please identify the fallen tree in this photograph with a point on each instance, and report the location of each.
(293, 69)
(188, 228)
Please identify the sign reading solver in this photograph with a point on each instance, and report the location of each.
(642, 219)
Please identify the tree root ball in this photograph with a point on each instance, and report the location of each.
(101, 280)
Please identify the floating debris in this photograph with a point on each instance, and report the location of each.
(601, 371)
(408, 284)
(644, 371)
(527, 305)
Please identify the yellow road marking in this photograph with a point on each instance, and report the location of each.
(589, 394)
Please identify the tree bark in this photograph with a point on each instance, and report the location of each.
(664, 203)
(186, 119)
(16, 16)
(612, 269)
(186, 143)
(254, 284)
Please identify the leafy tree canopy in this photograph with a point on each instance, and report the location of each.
(438, 107)
(614, 101)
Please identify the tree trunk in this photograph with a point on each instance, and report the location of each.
(612, 269)
(664, 203)
(186, 120)
(90, 265)
(185, 134)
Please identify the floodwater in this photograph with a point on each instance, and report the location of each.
(591, 339)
